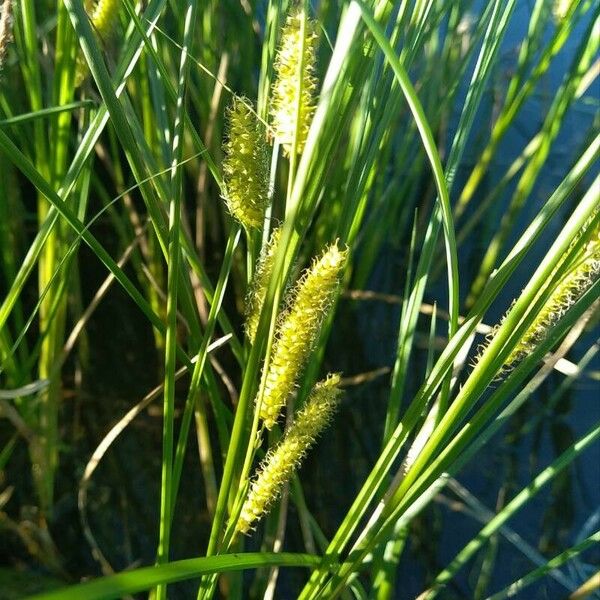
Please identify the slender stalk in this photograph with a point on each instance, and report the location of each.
(173, 265)
(197, 373)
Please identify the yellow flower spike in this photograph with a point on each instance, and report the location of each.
(291, 86)
(245, 166)
(574, 284)
(298, 329)
(260, 282)
(281, 461)
(103, 15)
(560, 8)
(81, 70)
(569, 290)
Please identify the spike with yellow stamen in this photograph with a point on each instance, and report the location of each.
(103, 15)
(573, 286)
(298, 330)
(245, 166)
(281, 461)
(292, 103)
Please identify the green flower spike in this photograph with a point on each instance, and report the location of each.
(280, 462)
(298, 330)
(245, 166)
(291, 86)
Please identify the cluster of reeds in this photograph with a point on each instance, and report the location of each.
(131, 146)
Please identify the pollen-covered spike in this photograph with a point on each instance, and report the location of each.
(258, 288)
(298, 330)
(103, 15)
(281, 461)
(245, 166)
(583, 274)
(560, 9)
(567, 293)
(295, 85)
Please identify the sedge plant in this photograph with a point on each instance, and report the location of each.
(248, 184)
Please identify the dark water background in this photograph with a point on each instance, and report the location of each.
(564, 512)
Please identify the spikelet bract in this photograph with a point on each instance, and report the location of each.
(290, 86)
(281, 461)
(298, 329)
(260, 282)
(245, 166)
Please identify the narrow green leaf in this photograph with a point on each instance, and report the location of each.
(130, 582)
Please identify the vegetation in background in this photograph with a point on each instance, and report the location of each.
(214, 204)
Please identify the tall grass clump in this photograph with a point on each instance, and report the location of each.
(207, 208)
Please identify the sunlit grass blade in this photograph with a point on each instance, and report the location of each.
(139, 580)
(173, 266)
